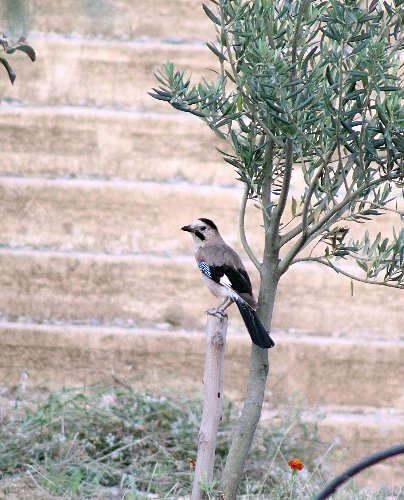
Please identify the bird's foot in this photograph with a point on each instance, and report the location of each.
(216, 310)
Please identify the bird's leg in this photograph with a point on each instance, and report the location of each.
(220, 308)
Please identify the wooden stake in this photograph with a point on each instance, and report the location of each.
(212, 402)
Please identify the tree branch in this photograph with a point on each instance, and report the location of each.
(328, 263)
(349, 198)
(287, 175)
(243, 237)
(312, 187)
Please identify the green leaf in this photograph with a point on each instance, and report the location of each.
(217, 53)
(305, 103)
(159, 97)
(359, 38)
(9, 69)
(362, 265)
(210, 14)
(329, 76)
(28, 50)
(317, 214)
(389, 88)
(399, 142)
(274, 107)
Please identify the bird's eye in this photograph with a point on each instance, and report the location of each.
(203, 228)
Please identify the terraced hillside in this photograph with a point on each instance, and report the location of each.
(97, 280)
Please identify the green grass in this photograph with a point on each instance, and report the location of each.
(117, 443)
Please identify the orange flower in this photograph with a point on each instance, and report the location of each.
(295, 464)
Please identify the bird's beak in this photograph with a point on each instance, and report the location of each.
(187, 228)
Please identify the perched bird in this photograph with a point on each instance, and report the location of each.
(226, 277)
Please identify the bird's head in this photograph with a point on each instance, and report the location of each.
(202, 230)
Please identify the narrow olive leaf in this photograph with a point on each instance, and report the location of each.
(399, 143)
(329, 76)
(23, 48)
(352, 288)
(226, 120)
(305, 103)
(163, 93)
(9, 69)
(216, 52)
(233, 162)
(359, 38)
(317, 214)
(294, 82)
(309, 55)
(158, 97)
(216, 131)
(362, 265)
(280, 33)
(295, 92)
(278, 117)
(389, 88)
(27, 49)
(347, 127)
(274, 107)
(388, 8)
(210, 14)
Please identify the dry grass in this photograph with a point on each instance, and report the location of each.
(116, 443)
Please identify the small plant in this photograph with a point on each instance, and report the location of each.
(208, 488)
(9, 48)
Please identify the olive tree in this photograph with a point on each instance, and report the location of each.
(305, 88)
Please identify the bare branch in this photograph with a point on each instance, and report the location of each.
(287, 175)
(312, 186)
(328, 263)
(243, 237)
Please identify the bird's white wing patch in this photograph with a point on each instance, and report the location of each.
(224, 280)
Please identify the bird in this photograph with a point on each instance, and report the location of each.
(226, 277)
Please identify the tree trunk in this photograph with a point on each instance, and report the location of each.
(259, 367)
(212, 402)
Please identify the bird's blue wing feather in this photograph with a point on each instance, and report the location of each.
(205, 269)
(237, 279)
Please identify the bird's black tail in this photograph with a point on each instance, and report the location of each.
(256, 329)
